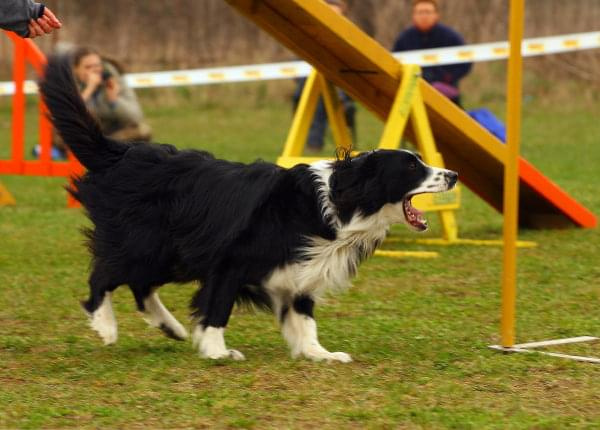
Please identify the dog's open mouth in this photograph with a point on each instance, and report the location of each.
(413, 216)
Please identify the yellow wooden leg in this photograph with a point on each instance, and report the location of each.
(398, 116)
(6, 198)
(511, 173)
(335, 115)
(294, 145)
(406, 254)
(426, 145)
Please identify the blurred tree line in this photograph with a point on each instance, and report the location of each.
(160, 35)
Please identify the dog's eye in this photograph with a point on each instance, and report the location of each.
(412, 165)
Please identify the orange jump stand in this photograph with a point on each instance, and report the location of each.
(25, 51)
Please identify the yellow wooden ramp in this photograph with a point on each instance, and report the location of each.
(368, 72)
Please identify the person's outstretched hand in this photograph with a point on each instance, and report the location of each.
(44, 24)
(112, 89)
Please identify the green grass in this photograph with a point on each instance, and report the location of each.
(418, 330)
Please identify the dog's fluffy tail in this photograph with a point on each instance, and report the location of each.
(79, 130)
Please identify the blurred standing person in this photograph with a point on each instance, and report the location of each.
(27, 18)
(427, 33)
(108, 97)
(316, 134)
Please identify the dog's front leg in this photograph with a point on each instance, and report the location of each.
(299, 329)
(212, 305)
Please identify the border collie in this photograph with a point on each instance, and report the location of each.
(256, 233)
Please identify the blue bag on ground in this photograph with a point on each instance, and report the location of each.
(489, 121)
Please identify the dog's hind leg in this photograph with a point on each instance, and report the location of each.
(157, 315)
(212, 306)
(299, 329)
(99, 306)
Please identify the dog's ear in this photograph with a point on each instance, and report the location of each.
(343, 154)
(349, 178)
(344, 176)
(352, 184)
(344, 179)
(368, 164)
(352, 172)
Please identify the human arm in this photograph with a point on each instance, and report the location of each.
(93, 82)
(43, 25)
(27, 18)
(455, 72)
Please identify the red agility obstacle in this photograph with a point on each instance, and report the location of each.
(25, 51)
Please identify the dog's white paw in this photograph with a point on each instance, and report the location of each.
(233, 354)
(342, 357)
(211, 344)
(157, 315)
(109, 337)
(324, 355)
(106, 329)
(236, 355)
(180, 331)
(174, 330)
(103, 321)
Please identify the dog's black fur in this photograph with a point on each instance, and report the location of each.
(165, 215)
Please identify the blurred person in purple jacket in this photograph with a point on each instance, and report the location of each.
(427, 33)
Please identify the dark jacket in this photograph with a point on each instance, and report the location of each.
(438, 37)
(15, 15)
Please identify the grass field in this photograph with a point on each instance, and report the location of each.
(418, 330)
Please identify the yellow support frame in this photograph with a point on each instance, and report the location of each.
(408, 104)
(335, 114)
(315, 86)
(294, 145)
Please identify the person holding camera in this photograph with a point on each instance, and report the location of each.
(108, 97)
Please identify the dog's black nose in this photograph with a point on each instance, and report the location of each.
(451, 178)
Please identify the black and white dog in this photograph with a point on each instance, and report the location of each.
(277, 238)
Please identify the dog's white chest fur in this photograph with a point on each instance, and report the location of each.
(329, 264)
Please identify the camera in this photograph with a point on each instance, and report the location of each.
(106, 75)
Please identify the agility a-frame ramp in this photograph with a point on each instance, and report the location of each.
(353, 61)
(363, 68)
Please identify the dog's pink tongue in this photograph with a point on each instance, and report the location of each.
(415, 212)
